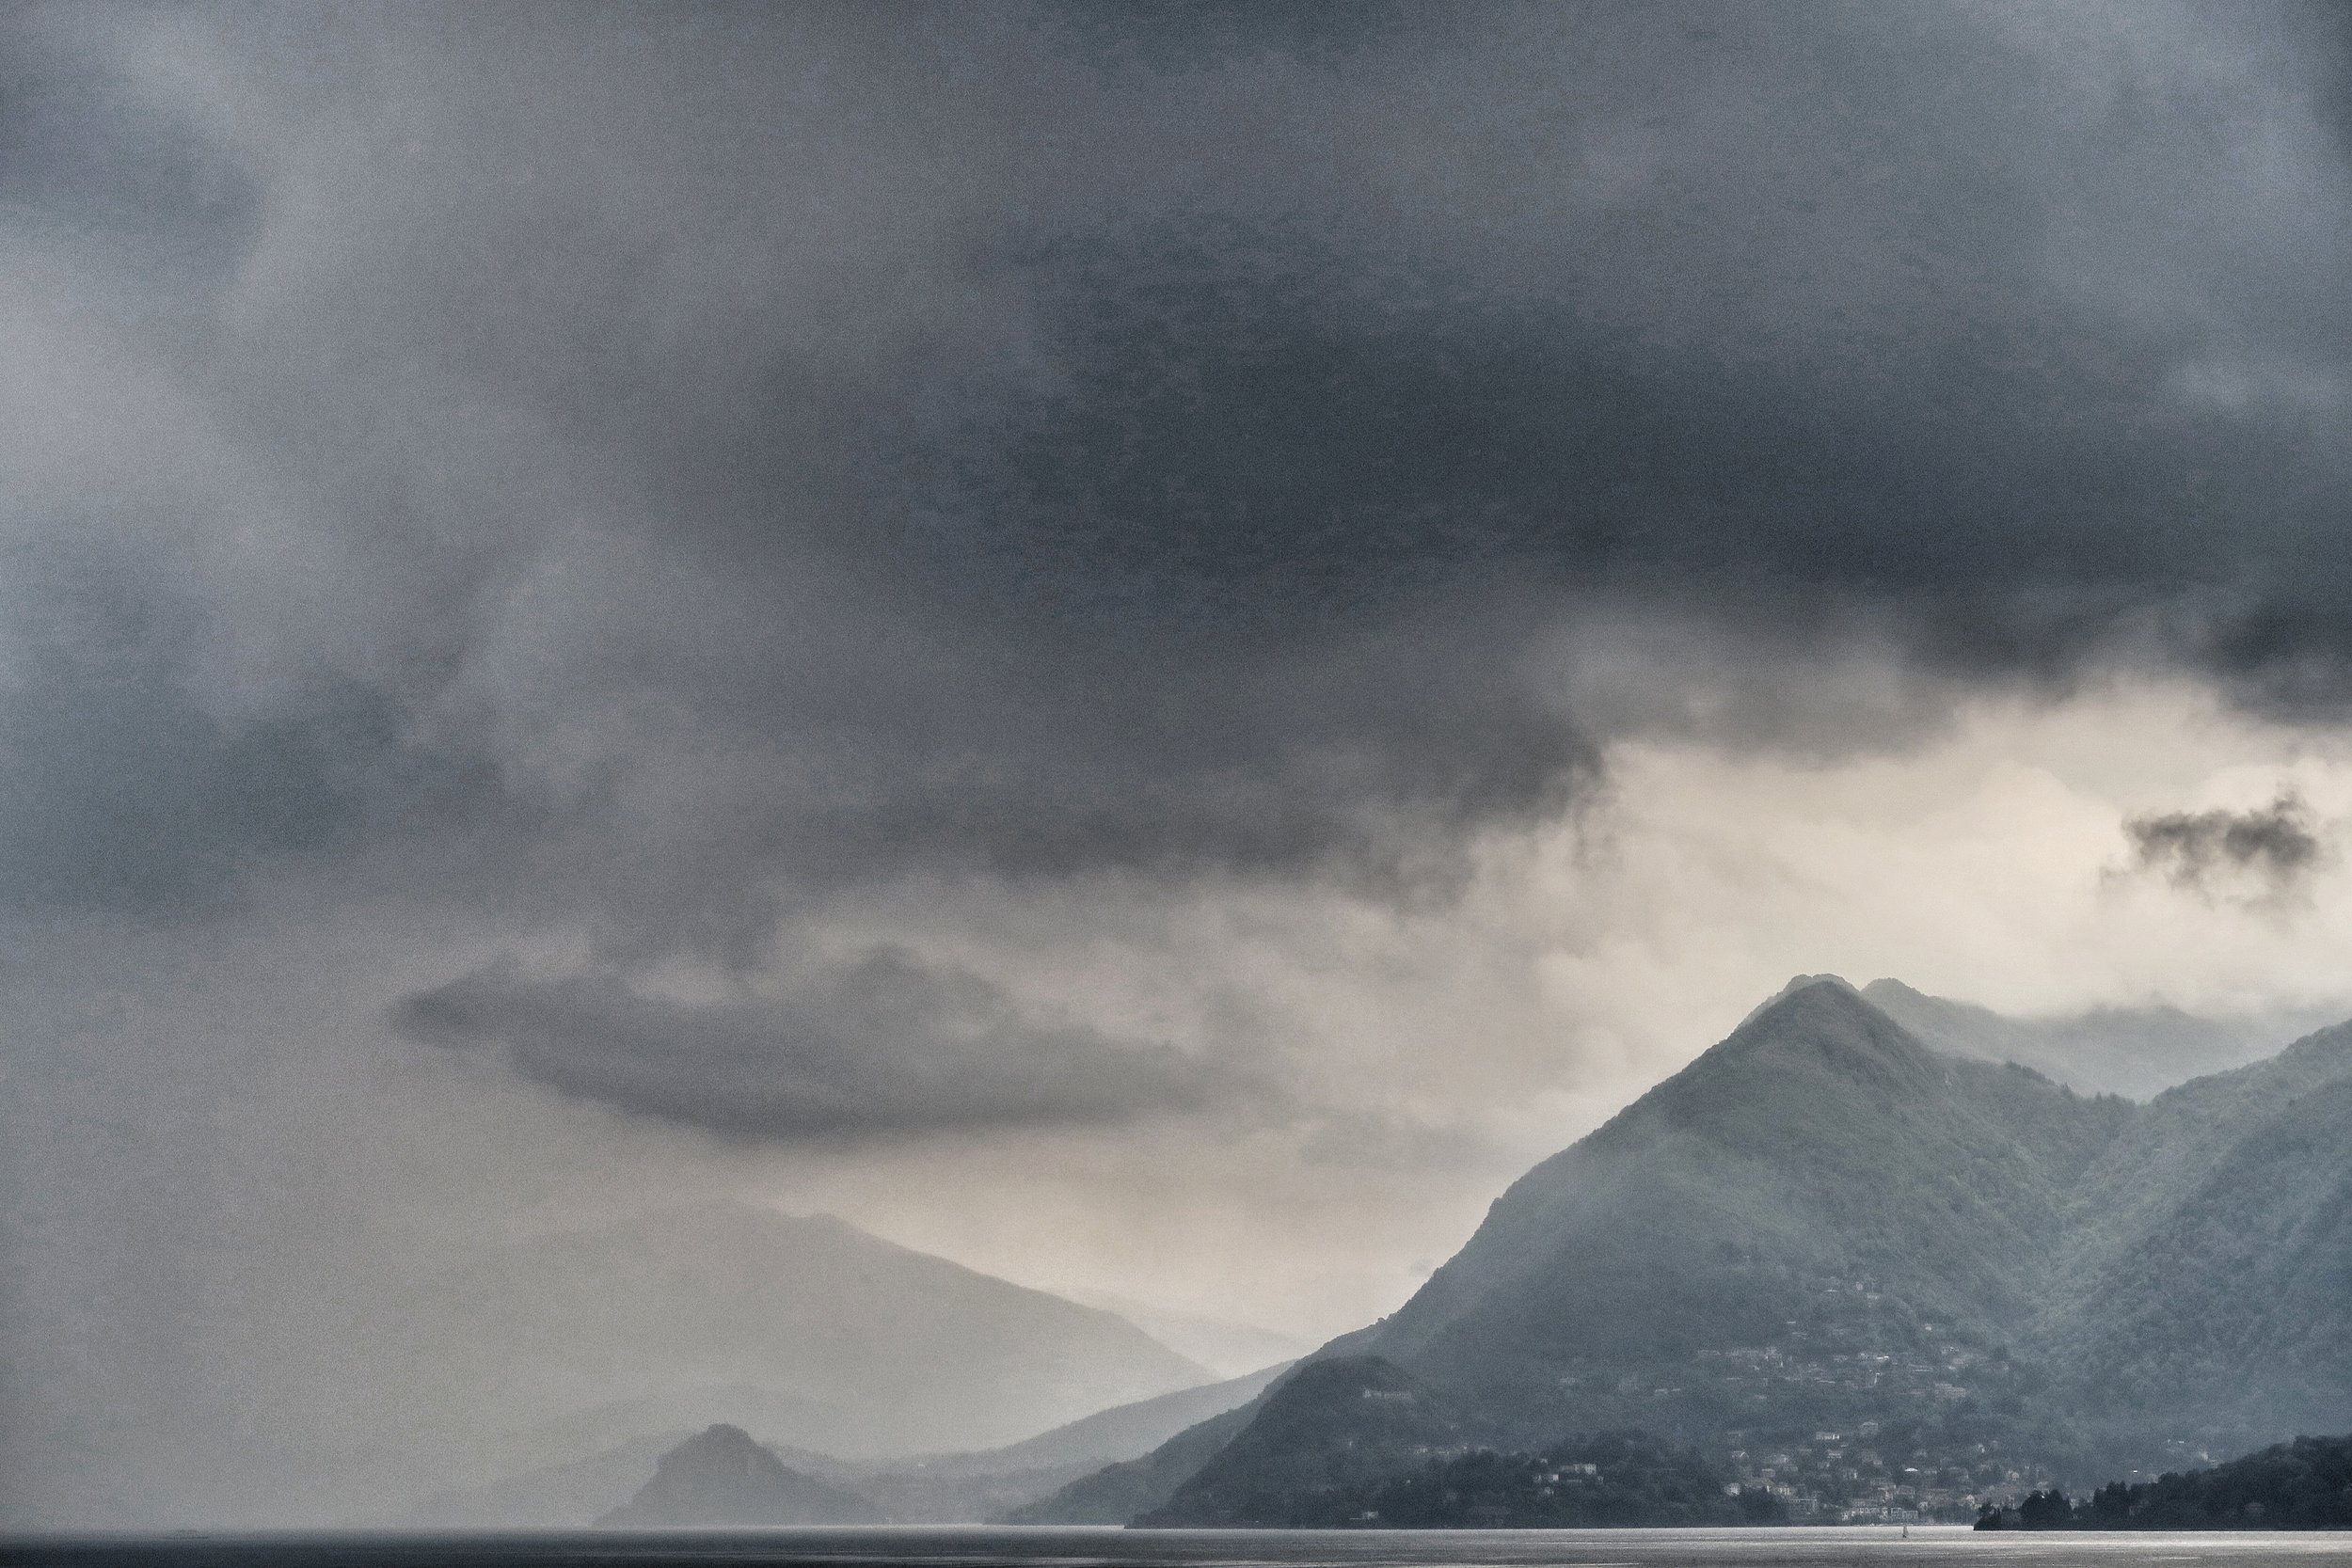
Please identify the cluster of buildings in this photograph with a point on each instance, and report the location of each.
(1850, 1478)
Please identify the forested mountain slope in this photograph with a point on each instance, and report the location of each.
(2214, 1280)
(1818, 1183)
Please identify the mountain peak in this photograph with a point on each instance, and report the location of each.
(1887, 986)
(1796, 983)
(1815, 1002)
(1817, 1025)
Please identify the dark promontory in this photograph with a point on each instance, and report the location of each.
(720, 1475)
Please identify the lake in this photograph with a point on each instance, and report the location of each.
(1946, 1546)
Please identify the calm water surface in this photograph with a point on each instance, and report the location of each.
(958, 1548)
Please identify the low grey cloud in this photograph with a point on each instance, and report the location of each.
(880, 1047)
(2274, 847)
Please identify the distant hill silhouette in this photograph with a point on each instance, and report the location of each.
(1134, 1488)
(721, 1477)
(956, 1488)
(1881, 1277)
(976, 1488)
(2137, 1051)
(807, 1330)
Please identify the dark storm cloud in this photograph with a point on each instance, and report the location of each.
(2273, 845)
(778, 451)
(882, 1047)
(123, 794)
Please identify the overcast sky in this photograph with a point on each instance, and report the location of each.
(1145, 644)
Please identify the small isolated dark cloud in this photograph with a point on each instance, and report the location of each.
(881, 1047)
(2273, 846)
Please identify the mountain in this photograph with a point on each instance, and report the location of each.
(1335, 1425)
(939, 1489)
(2211, 1280)
(721, 1477)
(674, 1413)
(809, 1332)
(1820, 1180)
(568, 1494)
(1873, 1276)
(2134, 1051)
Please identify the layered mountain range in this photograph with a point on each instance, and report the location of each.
(948, 1488)
(565, 1363)
(805, 1329)
(1851, 1269)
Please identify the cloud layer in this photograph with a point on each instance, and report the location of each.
(657, 482)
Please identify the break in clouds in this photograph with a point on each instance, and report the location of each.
(645, 479)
